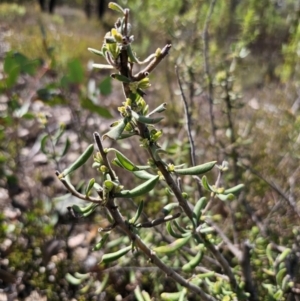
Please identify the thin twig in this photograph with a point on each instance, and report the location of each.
(234, 153)
(153, 64)
(254, 217)
(188, 126)
(247, 271)
(207, 69)
(104, 155)
(234, 250)
(274, 187)
(79, 195)
(187, 118)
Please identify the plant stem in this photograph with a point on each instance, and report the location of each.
(114, 211)
(207, 71)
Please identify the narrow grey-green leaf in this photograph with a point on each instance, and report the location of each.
(95, 51)
(66, 147)
(140, 189)
(44, 143)
(196, 170)
(79, 162)
(142, 174)
(116, 131)
(125, 162)
(175, 245)
(146, 120)
(89, 186)
(106, 258)
(138, 213)
(159, 109)
(116, 7)
(73, 280)
(234, 189)
(205, 184)
(226, 197)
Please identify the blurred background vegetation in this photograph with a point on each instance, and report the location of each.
(239, 62)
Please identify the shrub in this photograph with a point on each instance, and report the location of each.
(184, 241)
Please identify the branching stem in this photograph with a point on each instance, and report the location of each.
(114, 211)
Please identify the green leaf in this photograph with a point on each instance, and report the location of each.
(116, 7)
(207, 230)
(117, 130)
(138, 213)
(29, 116)
(79, 162)
(102, 66)
(234, 189)
(101, 111)
(121, 78)
(24, 64)
(283, 255)
(106, 258)
(140, 189)
(66, 147)
(105, 86)
(128, 135)
(196, 170)
(82, 276)
(170, 296)
(180, 229)
(89, 186)
(12, 77)
(109, 185)
(146, 120)
(171, 231)
(193, 262)
(169, 207)
(101, 243)
(75, 72)
(125, 162)
(83, 209)
(175, 245)
(73, 280)
(95, 51)
(197, 212)
(60, 131)
(278, 295)
(205, 184)
(142, 174)
(226, 197)
(103, 284)
(116, 162)
(9, 63)
(159, 109)
(44, 143)
(182, 295)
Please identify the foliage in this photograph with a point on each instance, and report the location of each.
(194, 233)
(30, 247)
(237, 77)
